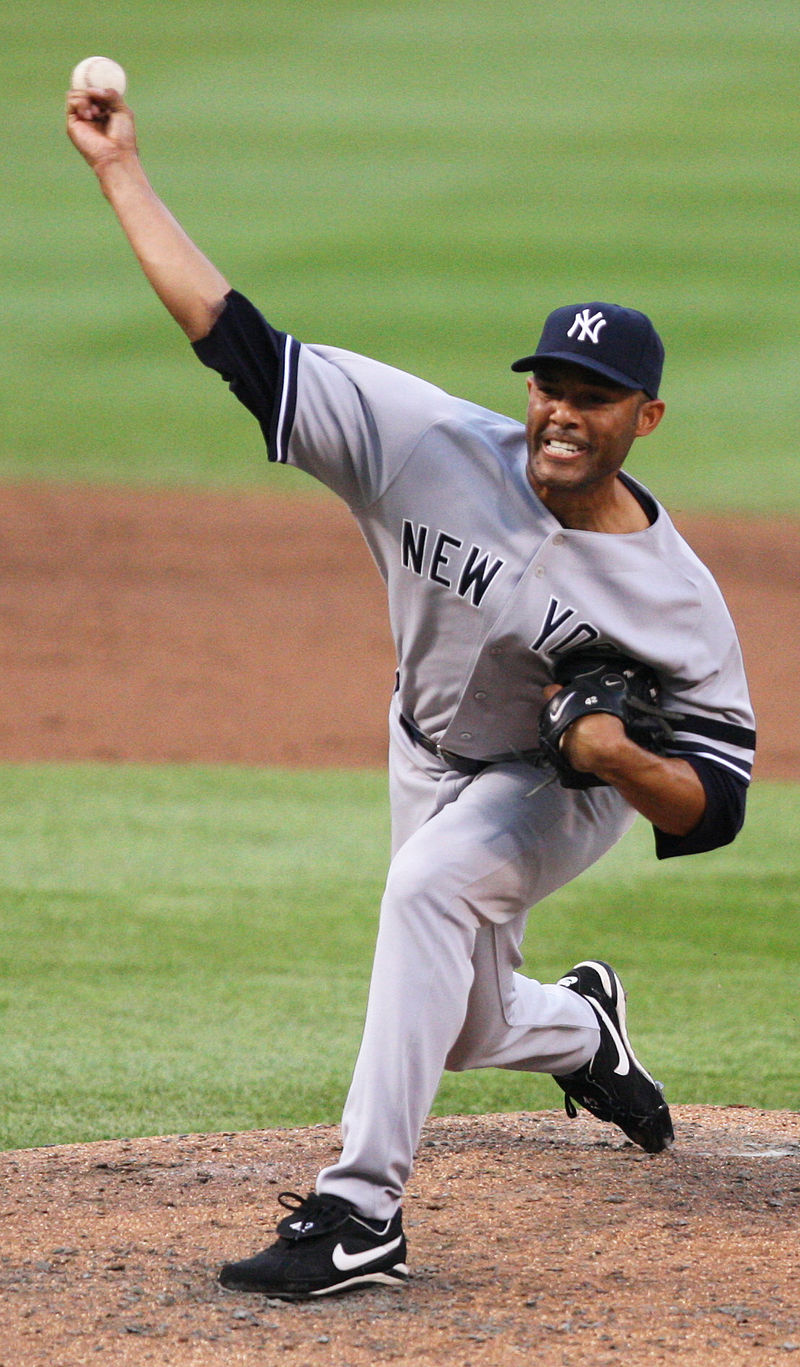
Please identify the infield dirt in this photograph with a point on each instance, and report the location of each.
(248, 629)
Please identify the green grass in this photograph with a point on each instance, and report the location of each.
(420, 181)
(187, 949)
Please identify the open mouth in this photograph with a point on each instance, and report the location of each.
(561, 450)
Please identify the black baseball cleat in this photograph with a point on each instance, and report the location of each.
(613, 1085)
(324, 1246)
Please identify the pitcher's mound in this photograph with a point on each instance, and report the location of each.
(532, 1239)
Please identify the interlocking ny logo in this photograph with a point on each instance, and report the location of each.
(587, 326)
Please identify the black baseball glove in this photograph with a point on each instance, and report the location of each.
(602, 679)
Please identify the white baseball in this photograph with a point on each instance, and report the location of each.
(99, 72)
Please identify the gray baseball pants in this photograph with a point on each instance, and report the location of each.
(471, 855)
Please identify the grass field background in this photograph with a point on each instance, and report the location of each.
(189, 948)
(421, 181)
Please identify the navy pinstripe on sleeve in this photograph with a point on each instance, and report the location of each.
(726, 794)
(259, 364)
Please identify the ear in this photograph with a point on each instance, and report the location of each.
(649, 416)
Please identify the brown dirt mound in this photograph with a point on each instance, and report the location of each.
(532, 1238)
(168, 626)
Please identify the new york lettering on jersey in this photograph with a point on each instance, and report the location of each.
(437, 554)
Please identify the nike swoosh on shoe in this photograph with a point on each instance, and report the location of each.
(347, 1262)
(623, 1066)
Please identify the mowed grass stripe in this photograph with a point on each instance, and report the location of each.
(422, 183)
(189, 949)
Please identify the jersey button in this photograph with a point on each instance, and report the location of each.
(465, 735)
(539, 571)
(558, 540)
(480, 695)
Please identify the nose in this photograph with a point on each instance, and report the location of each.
(561, 412)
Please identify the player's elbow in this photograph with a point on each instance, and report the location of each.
(198, 319)
(722, 819)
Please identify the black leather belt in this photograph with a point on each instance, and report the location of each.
(461, 763)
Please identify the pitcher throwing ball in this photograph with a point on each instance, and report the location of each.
(510, 552)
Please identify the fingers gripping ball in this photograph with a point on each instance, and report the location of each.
(602, 679)
(99, 73)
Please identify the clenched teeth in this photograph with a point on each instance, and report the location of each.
(565, 446)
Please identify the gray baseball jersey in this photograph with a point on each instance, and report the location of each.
(485, 587)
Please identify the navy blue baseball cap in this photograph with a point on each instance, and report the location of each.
(620, 343)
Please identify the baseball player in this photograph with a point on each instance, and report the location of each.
(504, 547)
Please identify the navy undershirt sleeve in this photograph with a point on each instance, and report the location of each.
(248, 353)
(722, 820)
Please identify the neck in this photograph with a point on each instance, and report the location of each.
(608, 508)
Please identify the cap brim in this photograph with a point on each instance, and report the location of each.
(584, 362)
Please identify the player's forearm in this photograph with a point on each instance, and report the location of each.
(186, 282)
(666, 791)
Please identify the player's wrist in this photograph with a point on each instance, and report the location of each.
(121, 177)
(598, 745)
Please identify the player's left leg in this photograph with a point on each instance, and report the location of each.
(484, 851)
(482, 859)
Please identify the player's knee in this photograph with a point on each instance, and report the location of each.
(459, 1059)
(415, 887)
(410, 877)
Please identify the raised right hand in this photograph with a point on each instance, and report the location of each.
(101, 125)
(189, 285)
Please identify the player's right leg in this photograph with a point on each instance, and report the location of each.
(614, 1085)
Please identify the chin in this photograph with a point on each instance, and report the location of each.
(554, 477)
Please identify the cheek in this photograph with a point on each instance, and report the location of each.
(619, 429)
(534, 417)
